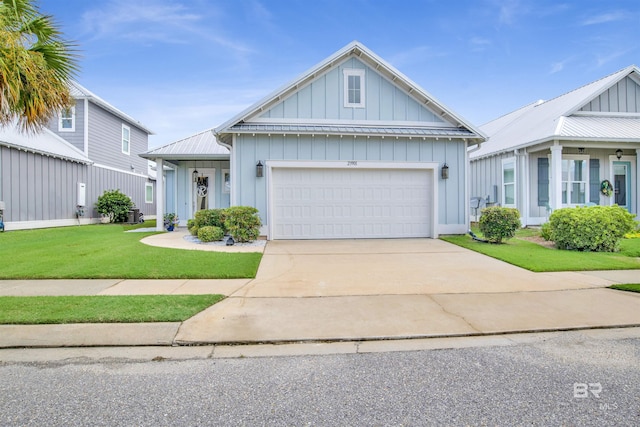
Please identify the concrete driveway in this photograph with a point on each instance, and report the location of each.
(372, 289)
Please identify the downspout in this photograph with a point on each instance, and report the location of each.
(86, 127)
(467, 163)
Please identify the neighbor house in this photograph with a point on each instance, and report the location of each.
(564, 152)
(350, 149)
(54, 178)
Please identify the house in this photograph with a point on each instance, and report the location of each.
(562, 152)
(54, 178)
(350, 149)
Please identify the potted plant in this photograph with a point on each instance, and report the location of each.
(170, 221)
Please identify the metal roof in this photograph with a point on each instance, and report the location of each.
(202, 145)
(351, 130)
(543, 121)
(357, 49)
(609, 128)
(80, 92)
(46, 143)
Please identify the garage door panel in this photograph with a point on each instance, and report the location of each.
(351, 203)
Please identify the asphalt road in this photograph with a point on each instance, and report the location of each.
(569, 379)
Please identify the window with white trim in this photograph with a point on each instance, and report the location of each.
(67, 120)
(575, 180)
(509, 182)
(126, 139)
(148, 192)
(353, 87)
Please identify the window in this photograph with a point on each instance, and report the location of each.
(148, 192)
(67, 120)
(509, 182)
(354, 88)
(126, 139)
(575, 180)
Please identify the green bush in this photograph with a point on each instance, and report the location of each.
(593, 228)
(498, 223)
(210, 233)
(545, 231)
(115, 205)
(242, 223)
(210, 217)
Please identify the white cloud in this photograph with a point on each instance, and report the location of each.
(478, 44)
(604, 18)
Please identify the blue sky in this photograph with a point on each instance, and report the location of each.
(183, 66)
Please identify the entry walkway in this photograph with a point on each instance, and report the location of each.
(352, 290)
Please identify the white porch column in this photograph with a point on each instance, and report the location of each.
(636, 170)
(555, 192)
(159, 195)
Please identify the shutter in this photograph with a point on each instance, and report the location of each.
(543, 181)
(594, 181)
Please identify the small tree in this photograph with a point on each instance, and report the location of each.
(115, 205)
(498, 223)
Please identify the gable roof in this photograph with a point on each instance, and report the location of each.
(80, 92)
(355, 48)
(45, 143)
(558, 118)
(202, 145)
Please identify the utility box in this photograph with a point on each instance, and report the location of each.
(82, 194)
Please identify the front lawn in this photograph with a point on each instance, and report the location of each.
(102, 309)
(631, 287)
(105, 251)
(534, 257)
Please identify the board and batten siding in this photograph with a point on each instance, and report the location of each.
(623, 97)
(322, 100)
(105, 141)
(133, 185)
(252, 191)
(38, 188)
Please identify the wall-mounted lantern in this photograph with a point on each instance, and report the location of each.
(619, 153)
(195, 172)
(259, 169)
(445, 171)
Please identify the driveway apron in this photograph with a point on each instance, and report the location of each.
(400, 288)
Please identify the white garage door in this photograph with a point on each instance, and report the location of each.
(351, 203)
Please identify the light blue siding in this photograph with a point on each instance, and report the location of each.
(252, 191)
(623, 97)
(75, 138)
(322, 99)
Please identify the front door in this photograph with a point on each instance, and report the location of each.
(202, 190)
(622, 184)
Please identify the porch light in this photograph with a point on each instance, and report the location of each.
(195, 172)
(445, 171)
(619, 153)
(259, 169)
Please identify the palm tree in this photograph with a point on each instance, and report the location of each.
(36, 66)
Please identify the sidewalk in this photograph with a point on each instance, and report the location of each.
(296, 298)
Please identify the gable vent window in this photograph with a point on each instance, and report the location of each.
(67, 122)
(354, 88)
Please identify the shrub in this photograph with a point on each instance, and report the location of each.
(545, 231)
(210, 233)
(593, 228)
(242, 223)
(115, 205)
(191, 226)
(498, 223)
(210, 217)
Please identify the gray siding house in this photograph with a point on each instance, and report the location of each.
(562, 152)
(350, 149)
(54, 178)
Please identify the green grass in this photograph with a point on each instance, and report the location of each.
(537, 258)
(102, 309)
(631, 287)
(105, 251)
